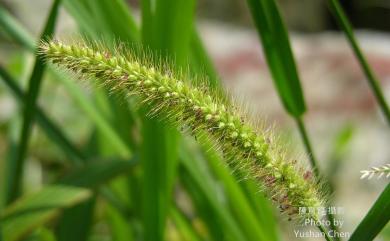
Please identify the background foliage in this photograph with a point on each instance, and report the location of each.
(112, 174)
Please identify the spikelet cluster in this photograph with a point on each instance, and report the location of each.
(382, 171)
(199, 110)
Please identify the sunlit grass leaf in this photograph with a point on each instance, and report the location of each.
(34, 210)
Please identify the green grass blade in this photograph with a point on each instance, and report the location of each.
(88, 107)
(263, 209)
(307, 144)
(240, 206)
(201, 62)
(15, 30)
(118, 224)
(42, 234)
(167, 30)
(183, 226)
(79, 217)
(91, 175)
(111, 21)
(213, 228)
(158, 163)
(48, 126)
(205, 186)
(276, 47)
(112, 137)
(280, 59)
(110, 18)
(173, 28)
(375, 220)
(97, 173)
(346, 26)
(147, 22)
(82, 16)
(34, 210)
(29, 108)
(76, 222)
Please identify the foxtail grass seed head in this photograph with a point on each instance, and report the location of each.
(246, 146)
(382, 171)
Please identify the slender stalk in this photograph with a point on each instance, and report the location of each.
(313, 161)
(346, 26)
(322, 229)
(306, 142)
(29, 110)
(332, 225)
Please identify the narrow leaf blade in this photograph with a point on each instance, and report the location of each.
(276, 46)
(36, 209)
(375, 220)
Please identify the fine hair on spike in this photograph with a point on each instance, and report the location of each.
(170, 95)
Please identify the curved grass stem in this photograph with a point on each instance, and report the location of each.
(346, 26)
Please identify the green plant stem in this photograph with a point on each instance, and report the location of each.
(48, 126)
(332, 225)
(322, 229)
(313, 162)
(306, 142)
(1, 234)
(346, 26)
(30, 109)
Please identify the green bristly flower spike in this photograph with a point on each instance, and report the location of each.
(171, 97)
